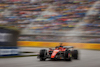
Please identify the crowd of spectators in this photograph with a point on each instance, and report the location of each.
(50, 15)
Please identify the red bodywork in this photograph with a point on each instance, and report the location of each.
(55, 51)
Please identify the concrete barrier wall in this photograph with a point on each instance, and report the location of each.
(53, 44)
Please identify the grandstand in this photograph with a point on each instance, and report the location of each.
(52, 20)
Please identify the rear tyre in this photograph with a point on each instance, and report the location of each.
(75, 54)
(43, 55)
(70, 59)
(67, 55)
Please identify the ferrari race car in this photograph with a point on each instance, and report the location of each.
(66, 53)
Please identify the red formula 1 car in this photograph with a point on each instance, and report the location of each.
(66, 53)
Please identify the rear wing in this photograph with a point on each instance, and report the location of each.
(68, 47)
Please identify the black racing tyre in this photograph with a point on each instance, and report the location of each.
(43, 55)
(69, 59)
(66, 55)
(75, 54)
(42, 59)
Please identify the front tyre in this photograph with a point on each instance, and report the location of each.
(42, 59)
(75, 54)
(43, 55)
(68, 55)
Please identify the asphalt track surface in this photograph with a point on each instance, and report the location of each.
(88, 58)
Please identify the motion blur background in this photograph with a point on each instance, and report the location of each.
(52, 20)
(71, 21)
(46, 23)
